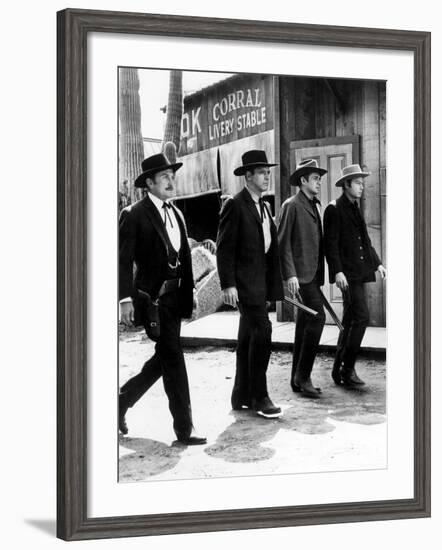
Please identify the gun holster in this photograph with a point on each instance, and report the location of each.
(147, 313)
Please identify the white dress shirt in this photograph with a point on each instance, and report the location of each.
(265, 221)
(169, 220)
(171, 224)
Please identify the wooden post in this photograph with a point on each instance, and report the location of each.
(383, 179)
(286, 103)
(131, 139)
(371, 204)
(284, 312)
(277, 137)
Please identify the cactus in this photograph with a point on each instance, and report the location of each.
(131, 139)
(174, 111)
(169, 150)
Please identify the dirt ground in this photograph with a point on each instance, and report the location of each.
(344, 430)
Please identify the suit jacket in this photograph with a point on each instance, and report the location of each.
(241, 258)
(300, 240)
(348, 247)
(143, 240)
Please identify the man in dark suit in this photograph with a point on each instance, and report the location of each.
(302, 265)
(352, 261)
(153, 236)
(248, 266)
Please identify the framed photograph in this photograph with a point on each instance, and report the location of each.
(169, 128)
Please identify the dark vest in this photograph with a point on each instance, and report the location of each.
(174, 258)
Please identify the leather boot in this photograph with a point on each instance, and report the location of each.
(306, 388)
(336, 370)
(350, 378)
(297, 389)
(122, 409)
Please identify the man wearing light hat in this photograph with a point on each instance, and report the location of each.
(352, 261)
(248, 267)
(153, 235)
(302, 265)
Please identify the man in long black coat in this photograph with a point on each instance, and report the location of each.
(302, 265)
(248, 266)
(352, 261)
(153, 236)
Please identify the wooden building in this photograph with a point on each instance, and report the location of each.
(336, 121)
(219, 124)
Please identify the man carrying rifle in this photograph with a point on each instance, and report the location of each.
(352, 261)
(302, 265)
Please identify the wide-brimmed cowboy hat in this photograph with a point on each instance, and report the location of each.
(152, 165)
(350, 172)
(252, 159)
(303, 168)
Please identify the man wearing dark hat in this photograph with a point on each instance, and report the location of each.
(153, 236)
(352, 261)
(302, 265)
(248, 266)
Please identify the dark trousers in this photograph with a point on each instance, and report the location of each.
(308, 332)
(168, 362)
(355, 321)
(252, 354)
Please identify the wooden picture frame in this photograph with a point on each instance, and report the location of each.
(73, 29)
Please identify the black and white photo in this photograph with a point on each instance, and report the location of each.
(265, 195)
(231, 352)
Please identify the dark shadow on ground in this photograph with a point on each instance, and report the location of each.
(249, 437)
(312, 421)
(149, 458)
(48, 526)
(366, 405)
(243, 440)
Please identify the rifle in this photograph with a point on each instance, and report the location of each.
(300, 305)
(331, 311)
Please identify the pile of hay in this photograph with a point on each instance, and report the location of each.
(205, 274)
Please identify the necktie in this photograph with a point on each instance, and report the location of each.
(262, 210)
(166, 207)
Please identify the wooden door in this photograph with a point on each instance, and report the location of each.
(331, 154)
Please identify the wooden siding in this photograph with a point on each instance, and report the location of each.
(208, 156)
(230, 157)
(199, 176)
(312, 108)
(236, 108)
